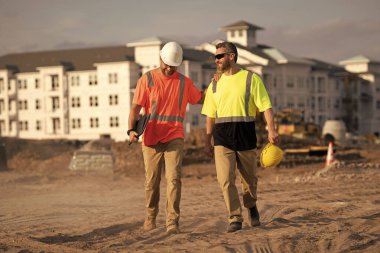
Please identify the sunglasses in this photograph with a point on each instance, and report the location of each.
(220, 56)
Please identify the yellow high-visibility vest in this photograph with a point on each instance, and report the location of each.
(236, 98)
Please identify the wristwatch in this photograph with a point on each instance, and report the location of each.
(130, 130)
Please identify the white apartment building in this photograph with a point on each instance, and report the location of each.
(368, 96)
(84, 93)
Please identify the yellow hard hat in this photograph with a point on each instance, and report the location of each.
(271, 155)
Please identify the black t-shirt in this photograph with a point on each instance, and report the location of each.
(238, 136)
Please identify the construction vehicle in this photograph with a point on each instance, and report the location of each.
(291, 122)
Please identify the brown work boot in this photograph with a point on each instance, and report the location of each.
(253, 216)
(172, 229)
(149, 223)
(234, 226)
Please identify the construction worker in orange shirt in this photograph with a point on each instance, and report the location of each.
(164, 94)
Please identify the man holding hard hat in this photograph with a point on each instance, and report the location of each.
(230, 106)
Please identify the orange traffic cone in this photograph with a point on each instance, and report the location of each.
(330, 155)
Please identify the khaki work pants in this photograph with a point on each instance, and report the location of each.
(226, 162)
(170, 155)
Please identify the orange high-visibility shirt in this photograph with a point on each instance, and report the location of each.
(161, 98)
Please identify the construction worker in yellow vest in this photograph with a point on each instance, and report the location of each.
(230, 106)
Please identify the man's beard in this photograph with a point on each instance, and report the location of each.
(167, 73)
(225, 66)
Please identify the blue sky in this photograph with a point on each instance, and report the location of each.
(329, 30)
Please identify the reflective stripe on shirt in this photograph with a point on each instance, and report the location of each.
(246, 101)
(154, 115)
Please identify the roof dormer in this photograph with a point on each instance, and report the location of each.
(242, 33)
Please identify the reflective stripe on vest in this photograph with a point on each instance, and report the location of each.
(154, 115)
(150, 79)
(246, 118)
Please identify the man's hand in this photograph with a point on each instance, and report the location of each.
(273, 137)
(133, 137)
(209, 150)
(217, 76)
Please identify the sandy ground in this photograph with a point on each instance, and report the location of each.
(303, 209)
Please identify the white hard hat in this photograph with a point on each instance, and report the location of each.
(171, 54)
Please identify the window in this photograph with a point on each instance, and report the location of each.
(337, 85)
(1, 85)
(22, 105)
(93, 101)
(9, 85)
(38, 105)
(94, 122)
(290, 102)
(301, 82)
(55, 103)
(112, 78)
(38, 125)
(290, 82)
(321, 84)
(54, 82)
(22, 84)
(56, 124)
(194, 76)
(37, 83)
(2, 126)
(266, 80)
(76, 123)
(23, 125)
(240, 33)
(114, 121)
(321, 104)
(113, 99)
(2, 106)
(75, 102)
(92, 80)
(301, 102)
(75, 80)
(232, 34)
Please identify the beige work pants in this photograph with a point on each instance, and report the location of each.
(170, 155)
(226, 162)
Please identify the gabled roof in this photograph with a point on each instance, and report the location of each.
(243, 25)
(325, 66)
(358, 59)
(76, 59)
(154, 40)
(258, 50)
(282, 57)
